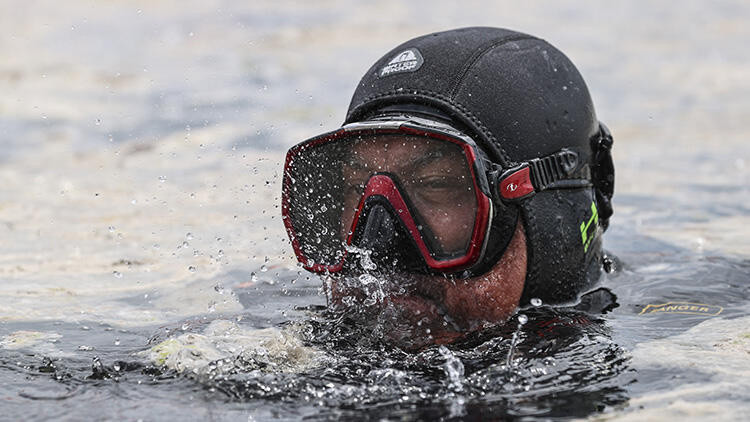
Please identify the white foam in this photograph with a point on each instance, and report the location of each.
(222, 342)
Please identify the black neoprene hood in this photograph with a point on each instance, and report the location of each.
(520, 98)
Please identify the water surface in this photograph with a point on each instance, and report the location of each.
(146, 275)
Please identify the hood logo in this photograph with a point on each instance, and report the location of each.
(408, 60)
(690, 308)
(588, 230)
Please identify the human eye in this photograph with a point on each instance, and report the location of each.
(440, 182)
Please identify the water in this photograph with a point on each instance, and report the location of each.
(146, 275)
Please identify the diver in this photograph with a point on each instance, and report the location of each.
(471, 173)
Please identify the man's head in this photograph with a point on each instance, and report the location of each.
(459, 148)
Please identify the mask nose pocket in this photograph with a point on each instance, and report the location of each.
(388, 242)
(379, 231)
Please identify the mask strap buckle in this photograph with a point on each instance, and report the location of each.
(561, 170)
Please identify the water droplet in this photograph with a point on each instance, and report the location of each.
(185, 326)
(116, 367)
(117, 341)
(117, 274)
(111, 229)
(211, 306)
(219, 288)
(162, 179)
(522, 319)
(189, 236)
(84, 348)
(263, 268)
(192, 269)
(536, 301)
(253, 277)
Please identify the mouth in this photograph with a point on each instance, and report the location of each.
(409, 307)
(416, 305)
(415, 321)
(417, 291)
(417, 297)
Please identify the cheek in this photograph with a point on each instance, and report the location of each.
(494, 296)
(491, 301)
(452, 225)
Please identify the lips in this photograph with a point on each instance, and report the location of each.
(413, 322)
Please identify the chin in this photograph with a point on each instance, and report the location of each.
(416, 311)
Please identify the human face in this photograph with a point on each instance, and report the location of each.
(434, 176)
(433, 182)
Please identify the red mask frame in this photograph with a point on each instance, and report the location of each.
(384, 187)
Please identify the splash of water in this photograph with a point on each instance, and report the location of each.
(454, 369)
(522, 319)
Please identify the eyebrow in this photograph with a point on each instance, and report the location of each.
(429, 158)
(422, 161)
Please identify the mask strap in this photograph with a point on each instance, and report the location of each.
(561, 170)
(603, 172)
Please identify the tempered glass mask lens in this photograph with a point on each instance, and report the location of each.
(314, 199)
(327, 182)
